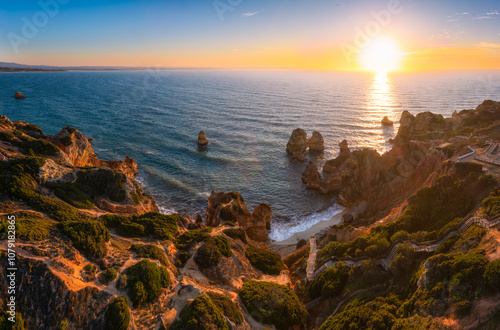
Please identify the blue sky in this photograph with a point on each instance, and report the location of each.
(191, 33)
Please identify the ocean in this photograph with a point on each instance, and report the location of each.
(248, 116)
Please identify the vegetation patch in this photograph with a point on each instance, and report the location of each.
(201, 314)
(71, 193)
(330, 283)
(236, 233)
(188, 238)
(39, 147)
(88, 236)
(210, 253)
(266, 261)
(117, 315)
(103, 182)
(227, 306)
(107, 276)
(156, 225)
(272, 303)
(29, 226)
(145, 280)
(150, 251)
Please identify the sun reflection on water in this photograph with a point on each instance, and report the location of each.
(381, 102)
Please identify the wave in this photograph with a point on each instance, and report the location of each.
(282, 230)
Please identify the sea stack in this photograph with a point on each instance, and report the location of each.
(202, 139)
(298, 143)
(19, 96)
(316, 142)
(386, 121)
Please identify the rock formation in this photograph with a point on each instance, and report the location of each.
(202, 139)
(311, 176)
(19, 96)
(386, 121)
(298, 143)
(79, 152)
(230, 207)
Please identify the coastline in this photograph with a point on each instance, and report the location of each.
(288, 245)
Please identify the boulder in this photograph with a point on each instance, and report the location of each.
(202, 139)
(19, 96)
(386, 121)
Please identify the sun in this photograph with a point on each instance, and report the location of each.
(380, 54)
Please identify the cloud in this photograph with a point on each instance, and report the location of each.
(482, 17)
(250, 14)
(494, 12)
(465, 13)
(488, 45)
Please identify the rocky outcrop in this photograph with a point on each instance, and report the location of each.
(386, 121)
(299, 143)
(202, 139)
(316, 142)
(424, 126)
(311, 176)
(230, 207)
(52, 171)
(80, 152)
(19, 96)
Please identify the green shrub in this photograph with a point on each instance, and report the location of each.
(200, 314)
(145, 280)
(107, 276)
(131, 229)
(188, 238)
(150, 251)
(5, 324)
(117, 315)
(7, 136)
(39, 147)
(29, 226)
(112, 220)
(492, 275)
(99, 182)
(267, 261)
(272, 303)
(72, 194)
(227, 306)
(121, 283)
(330, 282)
(88, 236)
(210, 253)
(491, 204)
(236, 233)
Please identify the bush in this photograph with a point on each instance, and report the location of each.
(130, 229)
(117, 315)
(267, 261)
(156, 225)
(122, 282)
(492, 275)
(108, 276)
(330, 282)
(227, 306)
(208, 255)
(200, 314)
(39, 147)
(150, 251)
(188, 238)
(29, 226)
(72, 194)
(88, 236)
(145, 280)
(272, 303)
(236, 233)
(99, 182)
(7, 136)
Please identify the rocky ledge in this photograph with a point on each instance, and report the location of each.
(299, 143)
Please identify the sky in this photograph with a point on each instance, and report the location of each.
(306, 34)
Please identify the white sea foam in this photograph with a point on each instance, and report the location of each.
(282, 230)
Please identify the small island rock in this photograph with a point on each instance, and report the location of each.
(386, 121)
(19, 96)
(202, 139)
(316, 142)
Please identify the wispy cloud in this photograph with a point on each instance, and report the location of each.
(250, 14)
(482, 17)
(488, 45)
(494, 12)
(465, 13)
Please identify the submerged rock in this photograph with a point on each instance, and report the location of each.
(386, 121)
(202, 139)
(19, 96)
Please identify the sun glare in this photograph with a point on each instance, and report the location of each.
(380, 55)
